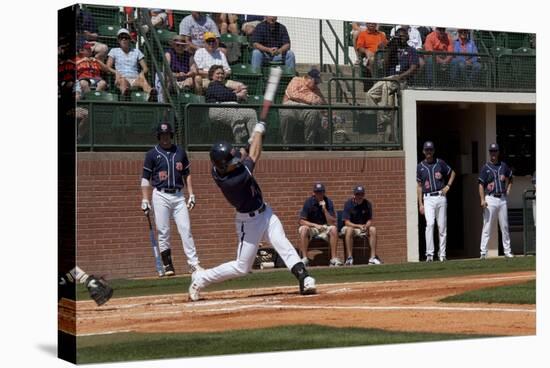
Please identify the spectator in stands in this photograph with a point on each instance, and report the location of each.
(86, 31)
(182, 66)
(318, 219)
(357, 218)
(439, 40)
(210, 55)
(468, 66)
(249, 22)
(424, 32)
(299, 92)
(227, 23)
(126, 61)
(415, 40)
(88, 72)
(368, 42)
(194, 26)
(356, 28)
(271, 43)
(401, 62)
(241, 120)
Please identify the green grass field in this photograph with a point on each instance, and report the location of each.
(140, 346)
(133, 346)
(282, 277)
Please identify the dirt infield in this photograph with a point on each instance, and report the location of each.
(410, 305)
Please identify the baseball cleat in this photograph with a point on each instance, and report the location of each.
(508, 255)
(429, 258)
(335, 262)
(375, 260)
(309, 286)
(483, 256)
(442, 258)
(169, 270)
(196, 267)
(349, 261)
(305, 261)
(194, 288)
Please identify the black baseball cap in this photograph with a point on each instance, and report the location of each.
(428, 145)
(318, 187)
(315, 74)
(493, 147)
(359, 190)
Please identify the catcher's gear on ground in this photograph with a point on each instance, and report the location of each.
(99, 290)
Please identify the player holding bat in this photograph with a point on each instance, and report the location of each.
(254, 219)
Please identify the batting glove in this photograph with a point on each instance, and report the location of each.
(191, 202)
(145, 206)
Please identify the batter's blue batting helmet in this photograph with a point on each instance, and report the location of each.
(164, 128)
(223, 155)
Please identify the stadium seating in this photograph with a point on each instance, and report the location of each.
(138, 96)
(101, 96)
(253, 78)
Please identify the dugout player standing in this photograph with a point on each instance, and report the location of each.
(254, 219)
(434, 178)
(495, 183)
(166, 169)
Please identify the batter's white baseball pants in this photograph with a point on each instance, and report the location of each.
(496, 208)
(264, 226)
(166, 205)
(435, 209)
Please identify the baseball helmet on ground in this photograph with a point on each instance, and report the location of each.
(164, 128)
(223, 155)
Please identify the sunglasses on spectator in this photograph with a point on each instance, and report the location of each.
(212, 40)
(124, 38)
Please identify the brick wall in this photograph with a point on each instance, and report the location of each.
(113, 237)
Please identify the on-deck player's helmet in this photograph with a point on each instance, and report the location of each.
(223, 155)
(164, 128)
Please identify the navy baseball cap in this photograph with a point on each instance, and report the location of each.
(318, 187)
(315, 74)
(493, 147)
(429, 145)
(359, 190)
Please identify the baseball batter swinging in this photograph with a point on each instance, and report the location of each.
(254, 220)
(166, 169)
(431, 175)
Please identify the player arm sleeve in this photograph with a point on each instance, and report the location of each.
(147, 169)
(418, 177)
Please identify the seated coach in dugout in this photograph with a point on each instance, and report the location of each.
(317, 219)
(357, 217)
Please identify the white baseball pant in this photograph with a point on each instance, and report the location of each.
(166, 205)
(251, 230)
(435, 209)
(496, 208)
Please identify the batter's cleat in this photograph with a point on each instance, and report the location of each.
(196, 267)
(442, 258)
(483, 256)
(335, 262)
(194, 288)
(169, 270)
(308, 286)
(508, 255)
(305, 261)
(429, 258)
(375, 260)
(349, 261)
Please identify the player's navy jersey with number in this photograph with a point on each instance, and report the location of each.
(166, 168)
(357, 213)
(240, 188)
(493, 177)
(432, 176)
(313, 212)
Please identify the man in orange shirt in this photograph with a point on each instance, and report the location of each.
(368, 42)
(438, 41)
(88, 72)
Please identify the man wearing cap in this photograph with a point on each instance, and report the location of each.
(126, 61)
(299, 92)
(318, 219)
(271, 43)
(495, 183)
(167, 170)
(368, 42)
(194, 26)
(184, 70)
(434, 178)
(357, 217)
(210, 55)
(438, 40)
(467, 66)
(88, 72)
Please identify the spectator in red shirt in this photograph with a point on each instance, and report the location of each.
(88, 71)
(368, 42)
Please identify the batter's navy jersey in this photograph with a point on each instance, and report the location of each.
(432, 176)
(166, 167)
(493, 177)
(313, 212)
(357, 213)
(240, 188)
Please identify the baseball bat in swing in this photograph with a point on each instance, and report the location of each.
(156, 252)
(269, 95)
